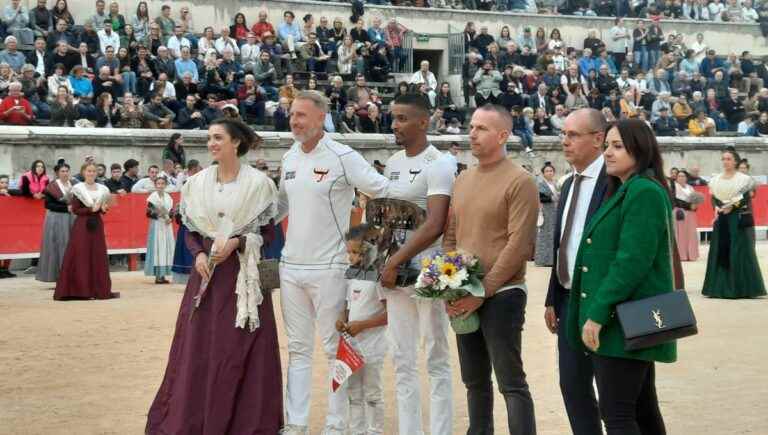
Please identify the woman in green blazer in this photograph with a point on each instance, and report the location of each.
(625, 255)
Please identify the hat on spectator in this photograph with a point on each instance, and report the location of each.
(230, 106)
(27, 67)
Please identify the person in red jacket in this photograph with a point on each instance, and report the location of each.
(15, 109)
(262, 26)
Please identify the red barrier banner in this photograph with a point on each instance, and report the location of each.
(21, 224)
(705, 214)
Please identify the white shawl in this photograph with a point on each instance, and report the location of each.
(162, 205)
(683, 193)
(732, 190)
(252, 205)
(88, 197)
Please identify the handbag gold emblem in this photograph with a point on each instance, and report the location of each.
(656, 314)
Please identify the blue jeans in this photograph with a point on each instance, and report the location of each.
(129, 82)
(255, 108)
(41, 109)
(653, 58)
(641, 57)
(496, 347)
(526, 138)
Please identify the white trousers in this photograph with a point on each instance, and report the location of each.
(308, 297)
(366, 400)
(409, 321)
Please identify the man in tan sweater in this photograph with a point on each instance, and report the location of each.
(493, 216)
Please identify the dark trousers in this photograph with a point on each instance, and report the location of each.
(628, 402)
(496, 347)
(576, 375)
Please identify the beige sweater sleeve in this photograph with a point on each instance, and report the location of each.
(522, 198)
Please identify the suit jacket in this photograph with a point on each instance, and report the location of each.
(599, 196)
(624, 255)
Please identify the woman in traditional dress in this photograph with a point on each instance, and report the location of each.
(548, 196)
(223, 374)
(732, 268)
(85, 270)
(58, 222)
(686, 203)
(160, 242)
(182, 258)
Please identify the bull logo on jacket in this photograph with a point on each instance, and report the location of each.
(320, 174)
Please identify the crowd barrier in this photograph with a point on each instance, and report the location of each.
(21, 222)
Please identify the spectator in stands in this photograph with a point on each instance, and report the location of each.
(541, 124)
(105, 82)
(747, 127)
(249, 52)
(33, 89)
(187, 25)
(113, 182)
(282, 115)
(154, 39)
(140, 21)
(371, 121)
(628, 107)
(146, 184)
(444, 102)
(16, 20)
(33, 182)
(314, 55)
(14, 58)
(107, 113)
(662, 102)
(701, 125)
(659, 83)
(394, 34)
(15, 109)
(619, 41)
(186, 65)
(190, 117)
(63, 110)
(733, 109)
(108, 38)
(251, 98)
(289, 33)
(682, 111)
(348, 60)
(39, 58)
(164, 63)
(239, 28)
(748, 13)
(522, 128)
(117, 20)
(424, 75)
(7, 76)
(640, 45)
(593, 42)
(177, 42)
(262, 26)
(98, 19)
(665, 125)
(61, 33)
(437, 124)
(130, 175)
(225, 41)
(41, 19)
(762, 125)
(131, 114)
(486, 82)
(57, 80)
(349, 122)
(576, 99)
(719, 86)
(165, 22)
(156, 114)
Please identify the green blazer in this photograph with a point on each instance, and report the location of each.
(624, 255)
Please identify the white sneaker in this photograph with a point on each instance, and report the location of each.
(292, 429)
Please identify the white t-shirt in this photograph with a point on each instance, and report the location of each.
(415, 178)
(364, 301)
(317, 189)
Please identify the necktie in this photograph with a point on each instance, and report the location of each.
(562, 252)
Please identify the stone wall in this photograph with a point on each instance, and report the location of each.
(19, 146)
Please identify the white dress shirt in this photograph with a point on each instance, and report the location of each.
(588, 184)
(111, 40)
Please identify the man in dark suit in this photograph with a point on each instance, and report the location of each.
(541, 100)
(582, 194)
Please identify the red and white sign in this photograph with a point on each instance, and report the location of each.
(348, 361)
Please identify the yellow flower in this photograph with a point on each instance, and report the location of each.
(426, 262)
(448, 269)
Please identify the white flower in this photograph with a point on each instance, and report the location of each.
(454, 281)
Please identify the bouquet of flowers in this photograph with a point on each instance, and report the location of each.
(451, 276)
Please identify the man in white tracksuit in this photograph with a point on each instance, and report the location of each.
(424, 176)
(317, 186)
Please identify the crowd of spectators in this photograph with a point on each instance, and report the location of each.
(135, 71)
(144, 72)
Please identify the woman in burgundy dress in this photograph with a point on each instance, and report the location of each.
(223, 374)
(85, 270)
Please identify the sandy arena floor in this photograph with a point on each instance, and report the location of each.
(94, 367)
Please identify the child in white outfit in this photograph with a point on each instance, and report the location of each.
(365, 318)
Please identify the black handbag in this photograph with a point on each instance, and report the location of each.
(658, 319)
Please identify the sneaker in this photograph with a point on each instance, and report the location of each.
(292, 429)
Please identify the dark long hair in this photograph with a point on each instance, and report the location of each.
(641, 144)
(172, 140)
(236, 129)
(32, 169)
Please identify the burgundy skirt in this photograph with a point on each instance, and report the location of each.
(85, 269)
(219, 379)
